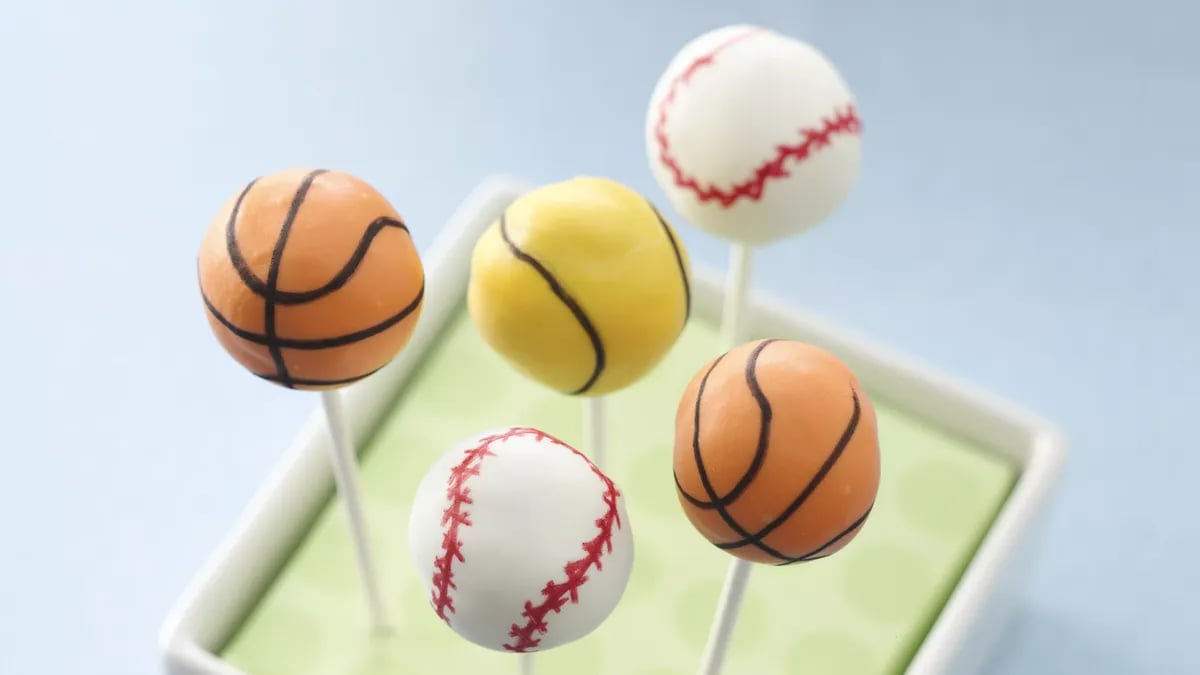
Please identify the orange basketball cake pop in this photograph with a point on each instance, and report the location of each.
(311, 279)
(776, 452)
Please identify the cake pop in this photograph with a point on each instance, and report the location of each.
(583, 286)
(522, 543)
(776, 452)
(776, 462)
(310, 280)
(753, 135)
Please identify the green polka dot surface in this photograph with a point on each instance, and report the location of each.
(862, 611)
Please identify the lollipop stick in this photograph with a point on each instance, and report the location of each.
(730, 603)
(525, 662)
(345, 474)
(736, 285)
(721, 633)
(593, 429)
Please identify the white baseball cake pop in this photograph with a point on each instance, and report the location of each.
(523, 543)
(753, 135)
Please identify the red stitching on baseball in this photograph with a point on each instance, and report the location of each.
(844, 121)
(455, 516)
(556, 595)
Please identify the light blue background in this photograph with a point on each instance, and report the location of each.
(1026, 219)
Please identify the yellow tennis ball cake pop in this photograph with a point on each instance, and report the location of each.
(580, 285)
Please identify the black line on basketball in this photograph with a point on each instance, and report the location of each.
(273, 277)
(813, 483)
(704, 481)
(561, 293)
(707, 483)
(316, 343)
(231, 245)
(764, 434)
(319, 383)
(816, 554)
(299, 297)
(683, 275)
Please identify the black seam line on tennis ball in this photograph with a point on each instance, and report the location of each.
(704, 480)
(764, 434)
(812, 486)
(273, 277)
(317, 343)
(683, 275)
(816, 554)
(814, 483)
(299, 297)
(320, 383)
(561, 293)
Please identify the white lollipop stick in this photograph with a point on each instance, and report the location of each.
(593, 429)
(730, 603)
(721, 633)
(736, 284)
(345, 474)
(525, 662)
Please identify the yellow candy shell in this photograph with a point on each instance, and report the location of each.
(581, 285)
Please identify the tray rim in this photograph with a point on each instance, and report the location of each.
(229, 583)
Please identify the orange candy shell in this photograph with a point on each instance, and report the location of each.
(334, 303)
(821, 430)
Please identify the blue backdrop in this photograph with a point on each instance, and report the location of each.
(1026, 220)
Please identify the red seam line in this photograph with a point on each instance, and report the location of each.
(455, 516)
(555, 596)
(844, 121)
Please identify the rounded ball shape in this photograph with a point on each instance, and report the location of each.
(753, 135)
(776, 452)
(581, 285)
(522, 543)
(310, 279)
